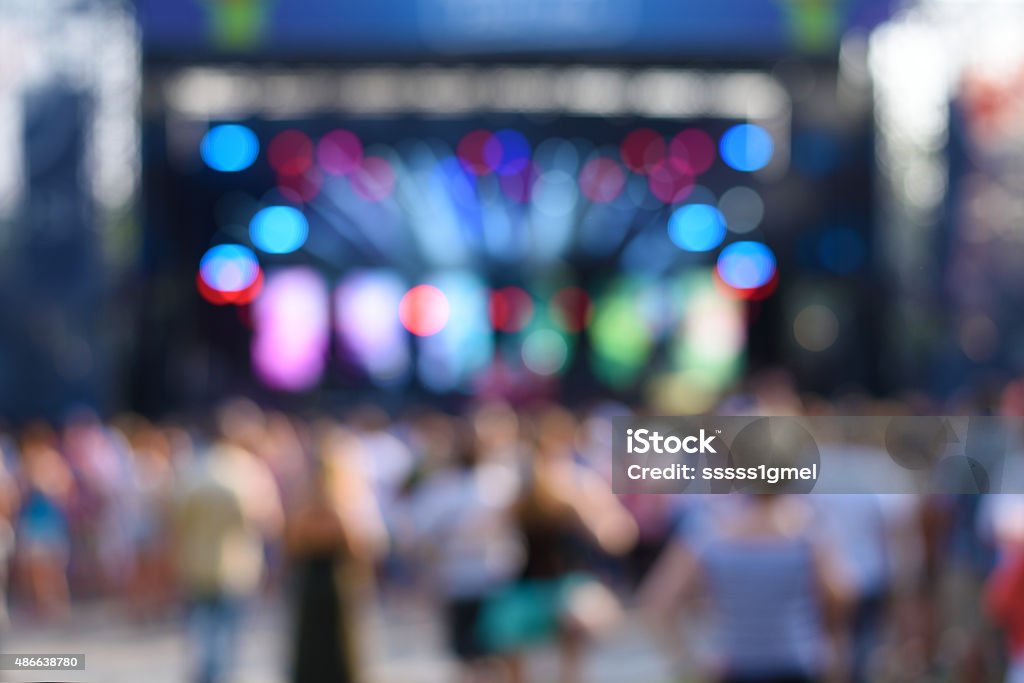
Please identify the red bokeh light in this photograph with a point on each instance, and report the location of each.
(424, 310)
(290, 152)
(511, 309)
(642, 150)
(570, 307)
(692, 151)
(241, 297)
(339, 152)
(753, 294)
(480, 152)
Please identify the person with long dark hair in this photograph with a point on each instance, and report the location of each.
(333, 540)
(567, 515)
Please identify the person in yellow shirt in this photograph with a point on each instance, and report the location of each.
(228, 506)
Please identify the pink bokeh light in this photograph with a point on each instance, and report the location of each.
(289, 348)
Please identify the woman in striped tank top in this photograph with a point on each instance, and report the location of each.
(770, 584)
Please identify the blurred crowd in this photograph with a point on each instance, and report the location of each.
(504, 519)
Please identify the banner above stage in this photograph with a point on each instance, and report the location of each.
(424, 29)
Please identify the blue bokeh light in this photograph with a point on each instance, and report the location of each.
(278, 229)
(696, 227)
(229, 148)
(229, 267)
(515, 151)
(747, 147)
(746, 265)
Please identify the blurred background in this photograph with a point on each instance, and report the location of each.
(295, 255)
